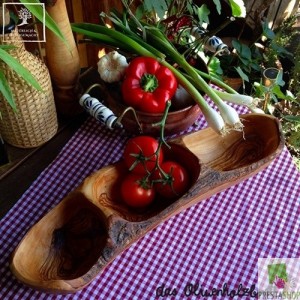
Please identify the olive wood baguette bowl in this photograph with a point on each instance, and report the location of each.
(77, 239)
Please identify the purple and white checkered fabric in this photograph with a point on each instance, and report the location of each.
(214, 243)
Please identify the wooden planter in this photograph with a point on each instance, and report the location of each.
(234, 82)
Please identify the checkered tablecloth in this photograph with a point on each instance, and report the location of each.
(213, 244)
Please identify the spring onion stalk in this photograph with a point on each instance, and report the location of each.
(239, 99)
(228, 113)
(217, 81)
(236, 98)
(116, 39)
(212, 117)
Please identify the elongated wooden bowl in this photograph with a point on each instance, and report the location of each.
(77, 239)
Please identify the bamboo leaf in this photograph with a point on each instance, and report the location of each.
(6, 91)
(20, 69)
(7, 47)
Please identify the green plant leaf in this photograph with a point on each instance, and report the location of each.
(242, 74)
(160, 7)
(290, 96)
(281, 51)
(279, 79)
(6, 91)
(19, 69)
(246, 52)
(238, 8)
(267, 31)
(242, 49)
(260, 89)
(218, 6)
(203, 13)
(292, 118)
(277, 92)
(38, 12)
(214, 67)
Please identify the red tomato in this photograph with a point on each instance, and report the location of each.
(139, 154)
(177, 181)
(135, 194)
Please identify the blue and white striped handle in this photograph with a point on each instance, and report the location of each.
(98, 110)
(212, 43)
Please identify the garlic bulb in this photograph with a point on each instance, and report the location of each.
(112, 66)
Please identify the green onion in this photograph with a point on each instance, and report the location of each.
(116, 39)
(130, 38)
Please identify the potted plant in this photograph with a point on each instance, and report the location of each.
(240, 65)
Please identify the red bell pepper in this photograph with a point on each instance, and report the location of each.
(148, 85)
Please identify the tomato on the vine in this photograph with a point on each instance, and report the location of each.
(136, 192)
(176, 182)
(141, 154)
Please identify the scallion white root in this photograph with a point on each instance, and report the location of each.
(230, 116)
(214, 119)
(256, 110)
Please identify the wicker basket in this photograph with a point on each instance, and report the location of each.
(35, 121)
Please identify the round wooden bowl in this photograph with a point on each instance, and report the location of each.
(176, 122)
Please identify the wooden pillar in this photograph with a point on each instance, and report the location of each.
(281, 10)
(88, 11)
